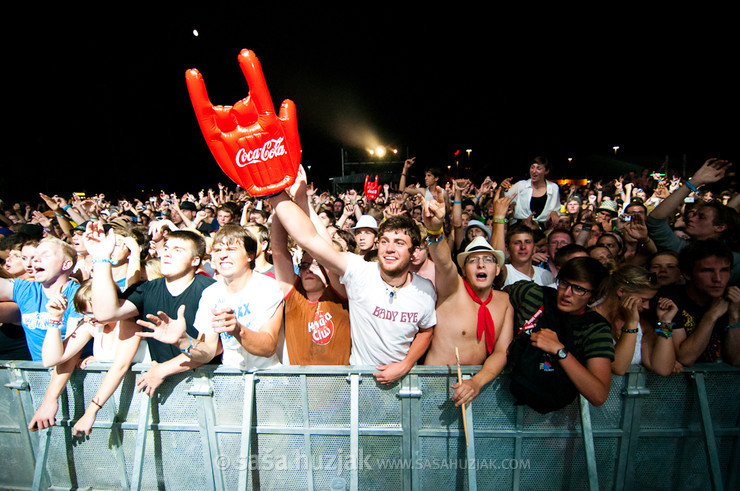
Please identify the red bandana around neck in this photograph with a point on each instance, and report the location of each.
(485, 321)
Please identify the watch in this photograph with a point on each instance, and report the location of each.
(562, 353)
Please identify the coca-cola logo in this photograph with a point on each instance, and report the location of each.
(270, 149)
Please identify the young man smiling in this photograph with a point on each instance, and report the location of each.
(242, 312)
(471, 315)
(391, 309)
(520, 244)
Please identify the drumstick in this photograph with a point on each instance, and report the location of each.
(459, 380)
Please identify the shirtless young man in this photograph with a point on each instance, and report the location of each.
(480, 339)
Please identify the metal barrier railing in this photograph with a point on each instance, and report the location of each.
(336, 428)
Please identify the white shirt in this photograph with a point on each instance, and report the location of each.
(385, 320)
(524, 191)
(541, 276)
(254, 305)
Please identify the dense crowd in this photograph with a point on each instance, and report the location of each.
(584, 278)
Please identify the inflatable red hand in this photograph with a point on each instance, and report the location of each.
(371, 188)
(257, 149)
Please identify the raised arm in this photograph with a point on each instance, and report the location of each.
(712, 171)
(299, 226)
(128, 345)
(404, 174)
(106, 305)
(447, 278)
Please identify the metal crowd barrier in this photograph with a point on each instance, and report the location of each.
(321, 428)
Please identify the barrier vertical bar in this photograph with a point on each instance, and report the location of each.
(588, 444)
(354, 429)
(306, 431)
(472, 465)
(710, 443)
(470, 449)
(247, 416)
(22, 390)
(633, 393)
(207, 428)
(145, 410)
(115, 430)
(516, 478)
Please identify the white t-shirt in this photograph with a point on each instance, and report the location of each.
(254, 305)
(541, 276)
(385, 321)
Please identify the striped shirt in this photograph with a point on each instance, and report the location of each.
(590, 339)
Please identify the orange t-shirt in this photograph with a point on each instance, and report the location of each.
(317, 333)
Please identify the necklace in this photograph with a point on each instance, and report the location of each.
(392, 293)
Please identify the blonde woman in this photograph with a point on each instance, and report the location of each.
(625, 301)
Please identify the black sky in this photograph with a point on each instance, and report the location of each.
(102, 103)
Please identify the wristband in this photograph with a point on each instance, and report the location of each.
(500, 220)
(663, 334)
(54, 323)
(691, 186)
(186, 351)
(630, 331)
(731, 326)
(668, 326)
(96, 403)
(65, 208)
(436, 232)
(429, 240)
(96, 261)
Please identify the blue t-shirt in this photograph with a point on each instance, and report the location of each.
(31, 299)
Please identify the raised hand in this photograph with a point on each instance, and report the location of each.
(99, 244)
(712, 171)
(256, 148)
(164, 328)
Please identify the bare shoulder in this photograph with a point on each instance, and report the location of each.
(500, 296)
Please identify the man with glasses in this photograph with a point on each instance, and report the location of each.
(473, 318)
(572, 337)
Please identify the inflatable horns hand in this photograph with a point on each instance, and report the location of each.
(256, 148)
(371, 188)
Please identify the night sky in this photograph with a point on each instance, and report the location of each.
(101, 104)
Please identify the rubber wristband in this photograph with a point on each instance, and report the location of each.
(436, 232)
(186, 351)
(500, 220)
(434, 240)
(691, 186)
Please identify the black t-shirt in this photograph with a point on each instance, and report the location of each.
(688, 317)
(536, 205)
(13, 343)
(150, 297)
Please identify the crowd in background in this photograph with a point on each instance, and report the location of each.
(668, 243)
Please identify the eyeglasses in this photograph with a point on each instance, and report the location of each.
(577, 290)
(478, 259)
(89, 317)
